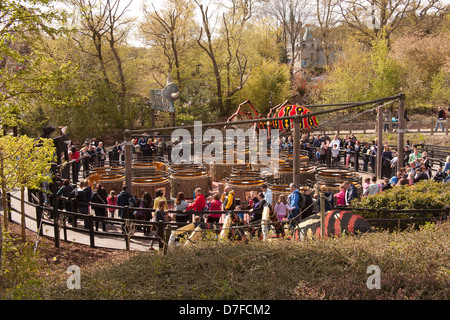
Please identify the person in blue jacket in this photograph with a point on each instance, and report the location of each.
(123, 200)
(297, 201)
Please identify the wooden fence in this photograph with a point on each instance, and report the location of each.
(163, 229)
(370, 127)
(57, 218)
(436, 154)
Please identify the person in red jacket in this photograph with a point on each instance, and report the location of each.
(199, 202)
(215, 206)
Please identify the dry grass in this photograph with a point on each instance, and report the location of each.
(26, 274)
(413, 264)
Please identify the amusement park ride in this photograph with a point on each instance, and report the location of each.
(287, 118)
(285, 109)
(234, 227)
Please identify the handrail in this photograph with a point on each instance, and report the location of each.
(162, 225)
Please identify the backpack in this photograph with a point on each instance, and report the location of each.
(138, 213)
(132, 202)
(79, 195)
(301, 200)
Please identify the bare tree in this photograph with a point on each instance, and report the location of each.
(428, 17)
(92, 26)
(104, 21)
(171, 30)
(226, 46)
(117, 27)
(236, 62)
(369, 17)
(291, 16)
(327, 19)
(207, 46)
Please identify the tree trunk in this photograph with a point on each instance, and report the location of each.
(177, 62)
(4, 203)
(210, 52)
(22, 210)
(123, 89)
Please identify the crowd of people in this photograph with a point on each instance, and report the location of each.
(419, 168)
(350, 152)
(345, 151)
(414, 167)
(87, 200)
(94, 152)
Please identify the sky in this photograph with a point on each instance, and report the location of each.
(136, 9)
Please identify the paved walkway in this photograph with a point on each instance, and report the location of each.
(76, 236)
(103, 241)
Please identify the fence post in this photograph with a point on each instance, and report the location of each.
(73, 208)
(378, 161)
(167, 232)
(74, 172)
(65, 227)
(322, 215)
(401, 130)
(9, 210)
(127, 152)
(91, 231)
(126, 212)
(446, 129)
(296, 153)
(55, 212)
(390, 120)
(125, 226)
(39, 212)
(160, 234)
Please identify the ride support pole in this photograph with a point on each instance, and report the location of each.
(322, 215)
(296, 151)
(378, 161)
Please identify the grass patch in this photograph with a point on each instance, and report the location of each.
(413, 264)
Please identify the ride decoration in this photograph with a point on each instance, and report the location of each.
(285, 109)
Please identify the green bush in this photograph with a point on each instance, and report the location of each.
(425, 194)
(20, 273)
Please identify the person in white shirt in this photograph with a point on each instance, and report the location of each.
(335, 141)
(373, 188)
(267, 193)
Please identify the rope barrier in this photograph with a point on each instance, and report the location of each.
(333, 120)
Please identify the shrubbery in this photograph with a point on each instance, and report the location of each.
(425, 194)
(413, 265)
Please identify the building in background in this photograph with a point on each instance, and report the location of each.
(311, 52)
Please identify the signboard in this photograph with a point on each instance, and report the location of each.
(159, 102)
(162, 99)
